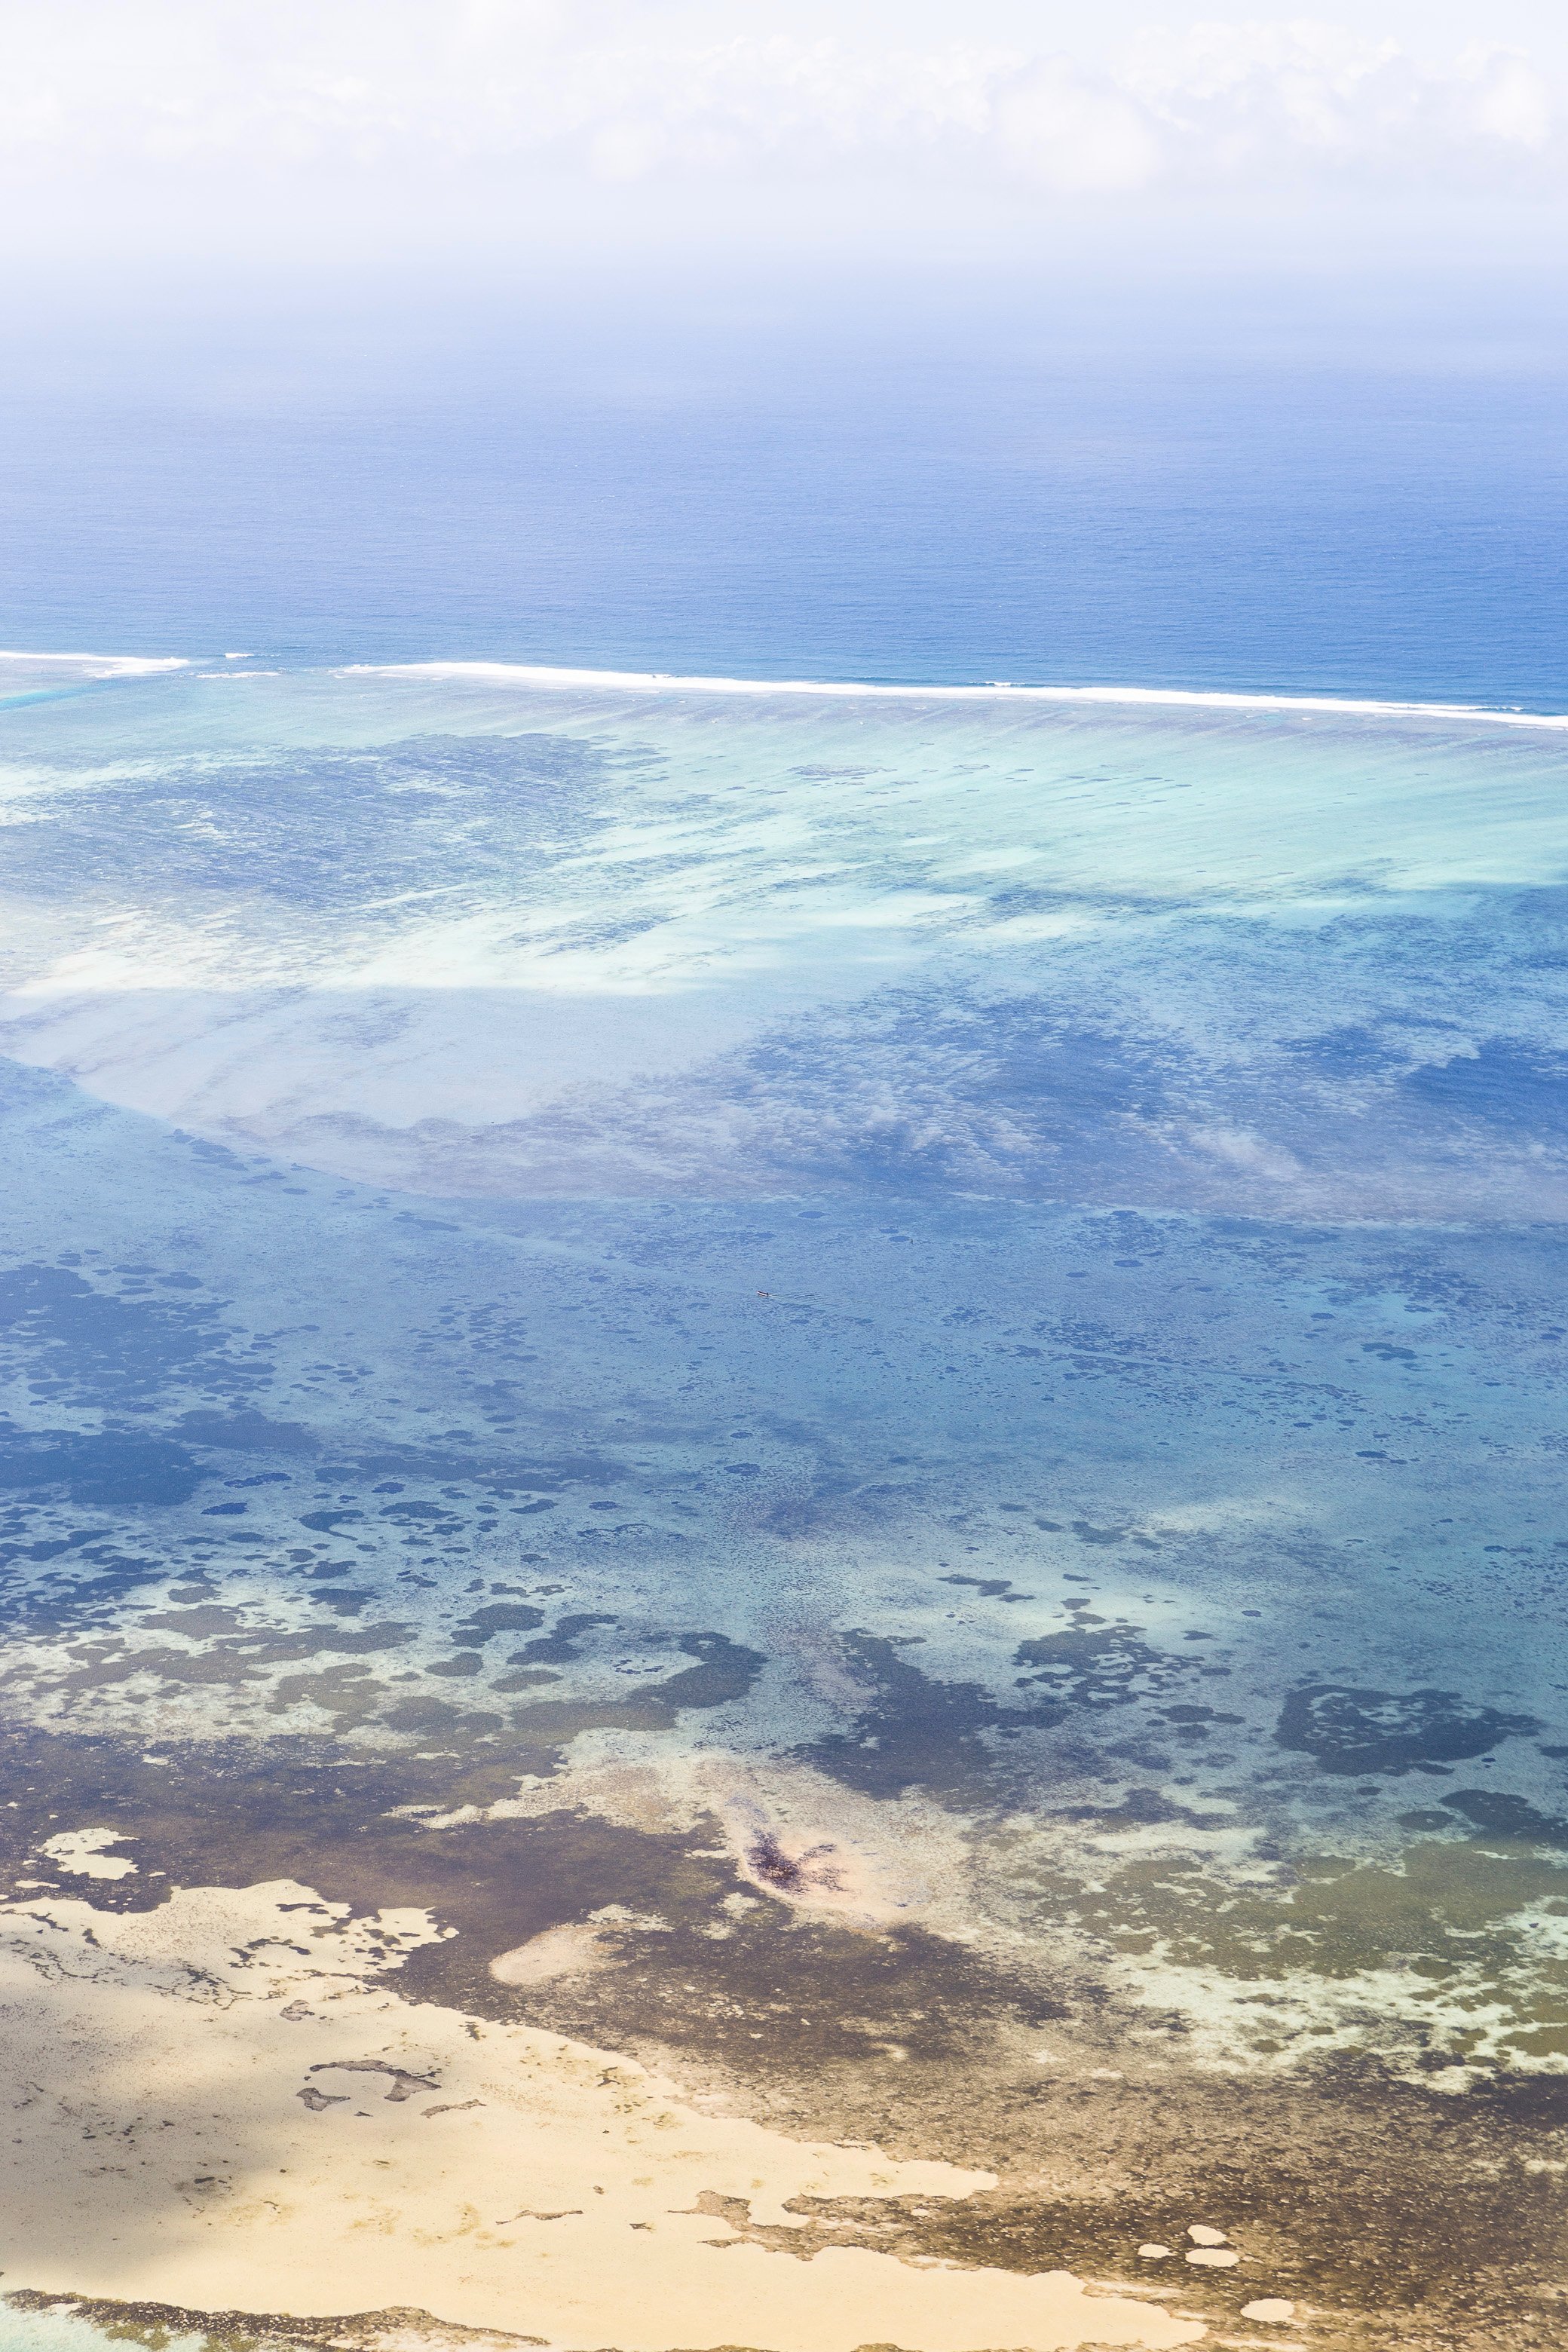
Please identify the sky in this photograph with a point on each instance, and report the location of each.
(319, 208)
(546, 133)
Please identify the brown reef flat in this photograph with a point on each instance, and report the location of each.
(234, 2057)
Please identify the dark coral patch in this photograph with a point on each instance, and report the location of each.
(1347, 1730)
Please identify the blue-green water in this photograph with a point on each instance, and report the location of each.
(971, 1283)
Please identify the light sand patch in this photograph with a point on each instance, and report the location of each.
(815, 1866)
(213, 2105)
(85, 1853)
(569, 1951)
(795, 1834)
(558, 1952)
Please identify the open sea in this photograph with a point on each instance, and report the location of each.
(852, 1389)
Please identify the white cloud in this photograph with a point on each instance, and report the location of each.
(1055, 125)
(632, 91)
(1512, 101)
(1269, 99)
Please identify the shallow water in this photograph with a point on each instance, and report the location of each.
(896, 1359)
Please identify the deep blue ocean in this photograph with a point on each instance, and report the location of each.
(1252, 488)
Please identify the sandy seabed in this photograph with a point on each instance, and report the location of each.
(220, 2104)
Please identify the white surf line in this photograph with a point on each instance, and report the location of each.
(117, 665)
(997, 689)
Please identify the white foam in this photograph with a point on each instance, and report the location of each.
(997, 690)
(103, 665)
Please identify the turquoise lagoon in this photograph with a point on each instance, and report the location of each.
(938, 1318)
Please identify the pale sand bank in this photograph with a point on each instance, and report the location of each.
(212, 2106)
